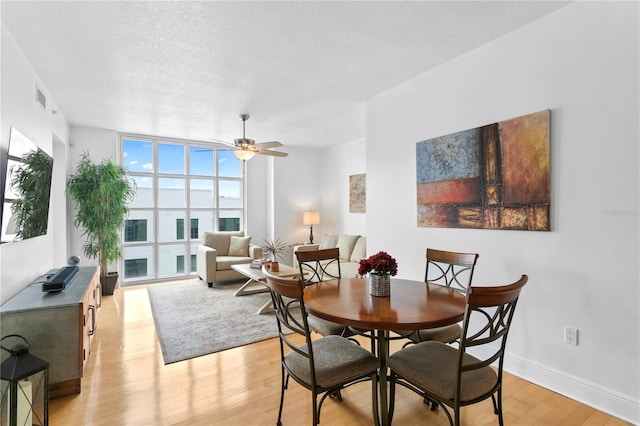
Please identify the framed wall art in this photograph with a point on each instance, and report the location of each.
(491, 177)
(358, 193)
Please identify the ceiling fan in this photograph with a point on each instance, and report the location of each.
(245, 148)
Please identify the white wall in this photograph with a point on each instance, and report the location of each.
(582, 63)
(340, 162)
(296, 187)
(312, 179)
(257, 198)
(281, 189)
(24, 261)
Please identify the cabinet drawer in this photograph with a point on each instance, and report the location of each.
(90, 307)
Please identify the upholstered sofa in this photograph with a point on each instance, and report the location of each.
(219, 251)
(352, 249)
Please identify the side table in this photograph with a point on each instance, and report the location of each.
(257, 282)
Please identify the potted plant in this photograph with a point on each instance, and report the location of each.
(273, 250)
(380, 267)
(100, 194)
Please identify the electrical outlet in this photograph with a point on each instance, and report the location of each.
(571, 335)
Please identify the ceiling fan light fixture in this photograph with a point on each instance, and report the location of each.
(242, 154)
(244, 142)
(244, 148)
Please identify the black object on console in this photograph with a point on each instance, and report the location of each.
(60, 279)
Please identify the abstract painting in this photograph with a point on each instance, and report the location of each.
(358, 193)
(491, 177)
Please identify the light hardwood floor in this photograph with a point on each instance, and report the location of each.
(127, 383)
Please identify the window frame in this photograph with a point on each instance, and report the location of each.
(190, 214)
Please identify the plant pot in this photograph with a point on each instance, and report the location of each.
(275, 267)
(379, 285)
(108, 283)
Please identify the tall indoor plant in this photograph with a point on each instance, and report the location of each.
(100, 194)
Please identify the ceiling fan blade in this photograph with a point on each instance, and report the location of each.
(217, 148)
(265, 145)
(272, 153)
(221, 142)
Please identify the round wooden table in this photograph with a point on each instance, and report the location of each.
(412, 305)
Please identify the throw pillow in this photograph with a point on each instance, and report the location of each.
(239, 246)
(359, 250)
(328, 241)
(346, 244)
(220, 240)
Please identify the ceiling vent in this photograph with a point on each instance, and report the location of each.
(41, 98)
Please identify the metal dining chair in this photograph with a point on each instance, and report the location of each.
(325, 365)
(451, 269)
(452, 376)
(313, 266)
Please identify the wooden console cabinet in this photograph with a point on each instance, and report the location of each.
(59, 326)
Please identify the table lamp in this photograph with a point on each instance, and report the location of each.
(311, 218)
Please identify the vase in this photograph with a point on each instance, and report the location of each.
(379, 284)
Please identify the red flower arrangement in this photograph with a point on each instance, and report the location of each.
(379, 263)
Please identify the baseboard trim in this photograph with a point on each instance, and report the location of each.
(60, 389)
(598, 397)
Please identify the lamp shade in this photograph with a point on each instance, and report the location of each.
(311, 218)
(243, 154)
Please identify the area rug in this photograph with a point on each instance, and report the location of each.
(193, 319)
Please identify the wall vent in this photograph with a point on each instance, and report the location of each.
(41, 98)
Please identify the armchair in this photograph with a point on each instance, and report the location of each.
(219, 251)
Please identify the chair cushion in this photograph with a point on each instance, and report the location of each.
(327, 328)
(445, 334)
(239, 246)
(337, 360)
(346, 244)
(359, 250)
(328, 241)
(224, 263)
(431, 366)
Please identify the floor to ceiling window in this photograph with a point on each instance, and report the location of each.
(183, 189)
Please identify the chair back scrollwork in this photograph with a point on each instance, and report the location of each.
(316, 264)
(451, 269)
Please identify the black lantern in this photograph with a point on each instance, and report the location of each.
(25, 386)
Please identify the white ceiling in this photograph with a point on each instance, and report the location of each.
(302, 69)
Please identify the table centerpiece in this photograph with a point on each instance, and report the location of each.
(380, 267)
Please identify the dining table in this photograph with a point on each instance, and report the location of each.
(411, 305)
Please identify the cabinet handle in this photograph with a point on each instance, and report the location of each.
(99, 288)
(92, 330)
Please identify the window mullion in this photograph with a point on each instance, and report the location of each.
(169, 251)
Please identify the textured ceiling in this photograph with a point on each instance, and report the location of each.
(301, 69)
